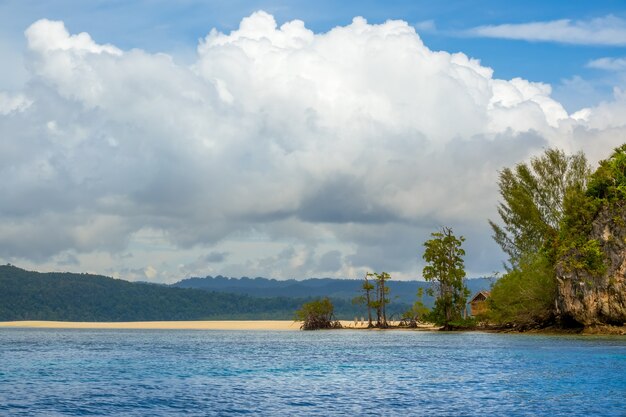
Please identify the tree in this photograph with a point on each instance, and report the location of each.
(419, 308)
(366, 297)
(317, 314)
(606, 191)
(379, 302)
(417, 311)
(382, 292)
(446, 269)
(608, 183)
(524, 296)
(533, 201)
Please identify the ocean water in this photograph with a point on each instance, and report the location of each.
(49, 372)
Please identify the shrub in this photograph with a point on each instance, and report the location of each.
(317, 314)
(524, 296)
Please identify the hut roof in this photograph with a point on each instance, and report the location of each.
(480, 296)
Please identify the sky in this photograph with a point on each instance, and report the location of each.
(157, 140)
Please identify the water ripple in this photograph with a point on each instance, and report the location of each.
(51, 372)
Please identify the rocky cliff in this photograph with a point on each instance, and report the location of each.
(597, 298)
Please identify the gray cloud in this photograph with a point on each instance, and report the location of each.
(279, 152)
(216, 257)
(68, 259)
(343, 199)
(330, 261)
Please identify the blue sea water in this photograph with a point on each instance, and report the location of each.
(49, 372)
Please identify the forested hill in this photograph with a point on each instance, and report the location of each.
(27, 295)
(405, 291)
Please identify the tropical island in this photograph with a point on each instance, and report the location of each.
(562, 226)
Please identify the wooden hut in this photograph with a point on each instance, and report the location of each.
(478, 304)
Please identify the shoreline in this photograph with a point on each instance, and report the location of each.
(278, 325)
(251, 325)
(284, 325)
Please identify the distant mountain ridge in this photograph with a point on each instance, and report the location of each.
(401, 291)
(30, 295)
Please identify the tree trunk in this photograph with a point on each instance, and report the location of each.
(369, 303)
(382, 301)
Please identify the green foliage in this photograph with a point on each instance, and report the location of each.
(607, 187)
(538, 199)
(446, 269)
(317, 314)
(524, 295)
(418, 311)
(549, 210)
(579, 212)
(587, 256)
(467, 323)
(26, 295)
(533, 202)
(575, 250)
(608, 183)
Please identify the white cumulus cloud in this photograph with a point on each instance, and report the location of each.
(292, 152)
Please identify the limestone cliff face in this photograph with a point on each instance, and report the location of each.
(589, 299)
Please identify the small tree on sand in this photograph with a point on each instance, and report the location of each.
(417, 312)
(366, 297)
(317, 314)
(381, 304)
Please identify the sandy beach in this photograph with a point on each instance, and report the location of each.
(283, 325)
(165, 325)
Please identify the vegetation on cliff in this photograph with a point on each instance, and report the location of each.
(550, 209)
(533, 198)
(591, 265)
(606, 191)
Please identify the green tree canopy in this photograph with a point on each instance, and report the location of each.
(417, 312)
(606, 188)
(548, 210)
(533, 202)
(524, 296)
(446, 269)
(317, 314)
(608, 183)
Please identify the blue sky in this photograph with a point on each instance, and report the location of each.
(292, 141)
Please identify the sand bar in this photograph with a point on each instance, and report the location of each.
(166, 325)
(283, 325)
